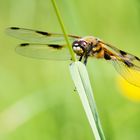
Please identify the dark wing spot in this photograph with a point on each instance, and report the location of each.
(55, 46)
(128, 63)
(14, 28)
(24, 44)
(137, 58)
(43, 33)
(123, 53)
(107, 56)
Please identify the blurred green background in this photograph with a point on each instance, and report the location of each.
(37, 98)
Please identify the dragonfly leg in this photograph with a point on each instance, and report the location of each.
(85, 60)
(80, 57)
(87, 54)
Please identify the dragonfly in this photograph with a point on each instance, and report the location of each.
(47, 45)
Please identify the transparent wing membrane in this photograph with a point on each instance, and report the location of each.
(131, 74)
(43, 51)
(122, 54)
(44, 45)
(36, 36)
(126, 64)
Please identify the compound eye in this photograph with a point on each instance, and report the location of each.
(79, 47)
(75, 44)
(80, 43)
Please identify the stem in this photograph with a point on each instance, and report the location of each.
(63, 30)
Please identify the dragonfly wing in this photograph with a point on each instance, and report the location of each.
(122, 54)
(130, 73)
(44, 51)
(110, 48)
(36, 36)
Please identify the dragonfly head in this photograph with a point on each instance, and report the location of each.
(79, 46)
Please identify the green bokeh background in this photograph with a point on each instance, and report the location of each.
(37, 97)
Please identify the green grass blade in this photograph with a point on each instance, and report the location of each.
(81, 80)
(63, 30)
